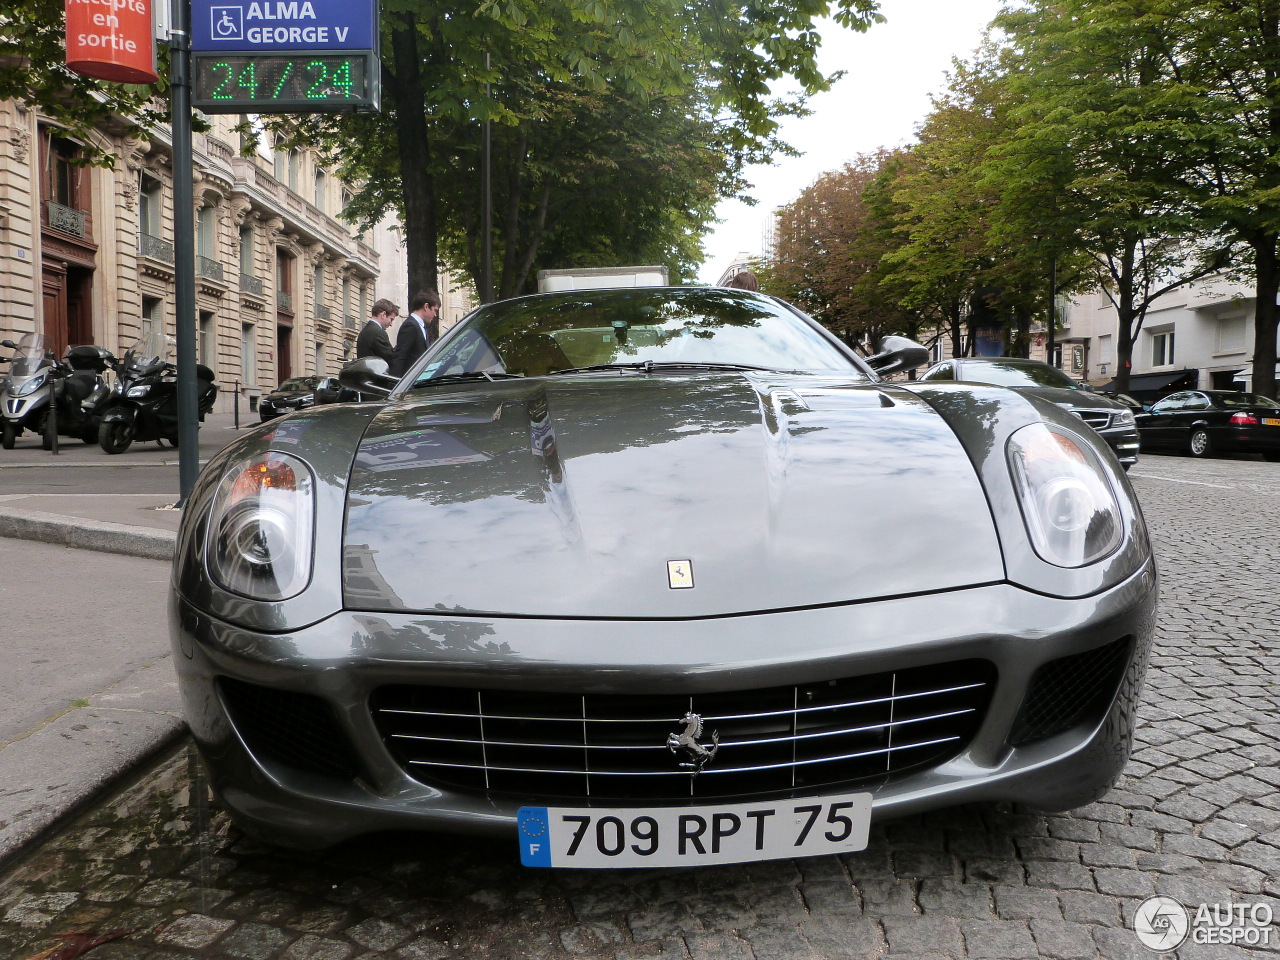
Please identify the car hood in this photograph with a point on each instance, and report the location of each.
(580, 497)
(1066, 397)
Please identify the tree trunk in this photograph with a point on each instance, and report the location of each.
(1265, 314)
(414, 145)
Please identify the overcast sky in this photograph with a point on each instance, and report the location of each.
(890, 71)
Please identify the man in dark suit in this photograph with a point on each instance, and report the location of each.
(417, 331)
(373, 340)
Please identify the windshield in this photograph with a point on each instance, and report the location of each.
(28, 356)
(540, 336)
(147, 354)
(1007, 374)
(299, 385)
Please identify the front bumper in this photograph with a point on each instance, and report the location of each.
(345, 658)
(1126, 443)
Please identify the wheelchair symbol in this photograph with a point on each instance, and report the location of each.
(228, 22)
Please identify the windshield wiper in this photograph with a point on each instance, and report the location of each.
(456, 377)
(648, 366)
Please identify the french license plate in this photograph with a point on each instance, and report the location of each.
(593, 837)
(1271, 421)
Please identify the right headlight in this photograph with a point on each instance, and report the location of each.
(261, 528)
(1070, 510)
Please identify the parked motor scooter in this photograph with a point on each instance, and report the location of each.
(144, 403)
(82, 393)
(25, 401)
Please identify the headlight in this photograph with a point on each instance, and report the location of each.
(1069, 508)
(1123, 419)
(139, 391)
(306, 401)
(31, 386)
(260, 528)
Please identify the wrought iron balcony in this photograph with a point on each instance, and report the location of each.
(155, 248)
(209, 268)
(250, 284)
(352, 323)
(323, 312)
(68, 220)
(284, 301)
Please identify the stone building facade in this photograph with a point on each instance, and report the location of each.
(86, 252)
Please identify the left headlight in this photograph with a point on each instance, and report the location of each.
(261, 528)
(1070, 510)
(31, 386)
(1123, 418)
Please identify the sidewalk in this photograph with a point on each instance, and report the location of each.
(107, 701)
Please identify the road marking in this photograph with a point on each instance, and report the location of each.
(1198, 483)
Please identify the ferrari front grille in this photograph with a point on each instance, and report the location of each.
(829, 733)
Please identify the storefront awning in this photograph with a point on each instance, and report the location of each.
(1153, 382)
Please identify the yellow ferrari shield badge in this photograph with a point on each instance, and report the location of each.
(680, 574)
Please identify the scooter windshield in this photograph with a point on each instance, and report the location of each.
(28, 356)
(146, 356)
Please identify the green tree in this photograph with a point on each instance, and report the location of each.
(33, 71)
(829, 250)
(716, 61)
(1097, 156)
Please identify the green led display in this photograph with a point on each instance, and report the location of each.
(286, 82)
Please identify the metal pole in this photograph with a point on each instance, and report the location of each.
(184, 254)
(486, 206)
(236, 404)
(54, 390)
(1053, 304)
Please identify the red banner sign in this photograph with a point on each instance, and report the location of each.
(112, 40)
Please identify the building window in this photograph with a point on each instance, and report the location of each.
(1231, 335)
(317, 281)
(207, 345)
(346, 298)
(1162, 349)
(152, 316)
(246, 252)
(1106, 349)
(206, 226)
(150, 205)
(247, 354)
(320, 360)
(295, 168)
(319, 194)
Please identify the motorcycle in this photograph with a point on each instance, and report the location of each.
(81, 392)
(144, 403)
(24, 405)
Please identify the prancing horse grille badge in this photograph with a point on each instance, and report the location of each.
(680, 574)
(686, 744)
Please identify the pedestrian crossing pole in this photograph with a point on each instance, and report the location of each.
(184, 251)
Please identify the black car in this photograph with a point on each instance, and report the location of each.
(1205, 422)
(297, 393)
(1112, 419)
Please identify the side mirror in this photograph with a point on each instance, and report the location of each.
(8, 343)
(898, 354)
(368, 375)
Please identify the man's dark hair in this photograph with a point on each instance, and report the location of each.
(383, 306)
(424, 296)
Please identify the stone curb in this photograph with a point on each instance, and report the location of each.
(101, 535)
(54, 772)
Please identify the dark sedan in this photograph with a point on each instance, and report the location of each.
(1205, 422)
(297, 394)
(1113, 419)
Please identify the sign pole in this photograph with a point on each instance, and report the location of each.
(184, 253)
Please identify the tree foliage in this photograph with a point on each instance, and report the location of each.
(33, 71)
(616, 123)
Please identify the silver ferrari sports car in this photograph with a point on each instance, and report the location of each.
(655, 577)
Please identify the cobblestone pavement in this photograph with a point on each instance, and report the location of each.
(1197, 817)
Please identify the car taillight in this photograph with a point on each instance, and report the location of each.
(1244, 420)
